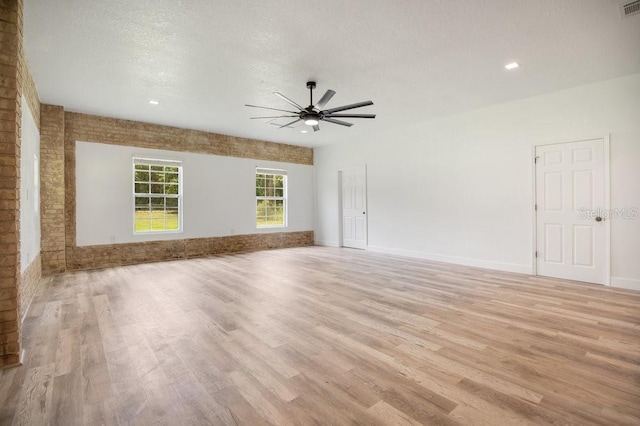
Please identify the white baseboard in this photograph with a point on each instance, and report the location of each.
(628, 283)
(326, 243)
(478, 263)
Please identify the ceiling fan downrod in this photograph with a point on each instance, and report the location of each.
(311, 85)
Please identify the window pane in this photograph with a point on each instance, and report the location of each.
(157, 177)
(142, 219)
(142, 202)
(142, 167)
(143, 225)
(172, 219)
(157, 168)
(157, 224)
(172, 203)
(157, 203)
(171, 169)
(142, 176)
(157, 188)
(142, 188)
(171, 189)
(279, 181)
(269, 181)
(279, 192)
(171, 177)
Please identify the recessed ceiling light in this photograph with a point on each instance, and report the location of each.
(153, 102)
(512, 66)
(304, 131)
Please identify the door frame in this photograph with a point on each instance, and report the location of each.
(607, 204)
(366, 203)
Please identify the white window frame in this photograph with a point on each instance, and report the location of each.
(157, 162)
(284, 198)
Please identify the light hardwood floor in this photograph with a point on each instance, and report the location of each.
(324, 336)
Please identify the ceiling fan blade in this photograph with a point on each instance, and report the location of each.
(346, 107)
(324, 99)
(351, 115)
(289, 124)
(274, 109)
(316, 128)
(280, 125)
(277, 116)
(284, 98)
(342, 123)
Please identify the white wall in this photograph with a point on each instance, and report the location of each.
(459, 189)
(218, 194)
(29, 188)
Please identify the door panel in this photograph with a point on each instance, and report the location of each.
(554, 191)
(583, 193)
(583, 242)
(569, 182)
(554, 243)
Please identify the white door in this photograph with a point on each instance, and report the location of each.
(570, 215)
(354, 207)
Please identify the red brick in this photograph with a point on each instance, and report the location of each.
(8, 215)
(8, 315)
(9, 337)
(9, 204)
(8, 293)
(9, 326)
(9, 348)
(8, 304)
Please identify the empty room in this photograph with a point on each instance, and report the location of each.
(320, 213)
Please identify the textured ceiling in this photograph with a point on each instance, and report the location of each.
(415, 59)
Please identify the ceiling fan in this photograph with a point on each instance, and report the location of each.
(314, 114)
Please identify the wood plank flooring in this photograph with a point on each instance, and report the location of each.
(324, 336)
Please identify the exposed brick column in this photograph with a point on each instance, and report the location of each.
(10, 120)
(52, 190)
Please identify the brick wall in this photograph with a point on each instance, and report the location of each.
(92, 128)
(28, 86)
(103, 256)
(52, 177)
(59, 132)
(10, 94)
(30, 284)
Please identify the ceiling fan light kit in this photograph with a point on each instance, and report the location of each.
(314, 114)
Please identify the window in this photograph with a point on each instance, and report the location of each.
(271, 198)
(157, 193)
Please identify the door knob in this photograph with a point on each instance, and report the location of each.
(598, 219)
